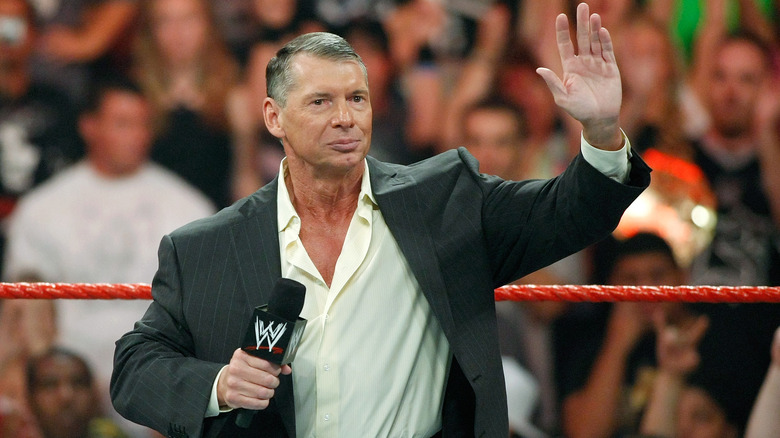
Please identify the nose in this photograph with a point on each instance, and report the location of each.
(343, 116)
(65, 392)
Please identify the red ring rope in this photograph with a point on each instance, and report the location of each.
(593, 293)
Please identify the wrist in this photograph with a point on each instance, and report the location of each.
(603, 134)
(670, 377)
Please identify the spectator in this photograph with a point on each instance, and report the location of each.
(686, 402)
(494, 131)
(64, 397)
(615, 345)
(188, 76)
(22, 333)
(339, 13)
(100, 222)
(81, 40)
(739, 155)
(509, 71)
(652, 86)
(37, 125)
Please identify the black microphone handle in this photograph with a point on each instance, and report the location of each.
(244, 418)
(286, 300)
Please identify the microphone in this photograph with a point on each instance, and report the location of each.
(275, 330)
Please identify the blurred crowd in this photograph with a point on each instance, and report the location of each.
(121, 120)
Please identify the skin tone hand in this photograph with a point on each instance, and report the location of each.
(248, 382)
(627, 324)
(677, 357)
(590, 90)
(677, 346)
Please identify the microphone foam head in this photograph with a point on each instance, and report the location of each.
(287, 299)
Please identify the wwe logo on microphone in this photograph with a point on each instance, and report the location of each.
(269, 335)
(272, 337)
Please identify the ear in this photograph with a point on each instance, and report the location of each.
(273, 117)
(88, 126)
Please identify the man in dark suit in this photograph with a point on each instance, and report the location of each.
(400, 264)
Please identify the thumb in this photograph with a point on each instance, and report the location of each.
(286, 370)
(553, 82)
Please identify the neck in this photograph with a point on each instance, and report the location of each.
(324, 198)
(112, 172)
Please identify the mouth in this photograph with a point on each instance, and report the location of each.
(345, 145)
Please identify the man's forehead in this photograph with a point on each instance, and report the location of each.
(307, 73)
(303, 64)
(749, 55)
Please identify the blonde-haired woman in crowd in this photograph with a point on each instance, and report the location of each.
(190, 77)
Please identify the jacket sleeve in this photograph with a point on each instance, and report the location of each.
(157, 381)
(531, 224)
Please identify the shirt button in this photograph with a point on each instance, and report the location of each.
(326, 417)
(326, 367)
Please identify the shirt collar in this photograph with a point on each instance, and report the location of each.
(286, 214)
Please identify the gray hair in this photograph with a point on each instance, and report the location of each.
(278, 73)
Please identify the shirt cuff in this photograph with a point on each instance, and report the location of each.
(213, 409)
(613, 164)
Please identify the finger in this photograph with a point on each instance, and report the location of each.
(261, 364)
(697, 330)
(563, 38)
(659, 320)
(253, 392)
(583, 29)
(595, 42)
(553, 82)
(248, 402)
(286, 370)
(607, 49)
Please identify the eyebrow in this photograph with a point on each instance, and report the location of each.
(323, 94)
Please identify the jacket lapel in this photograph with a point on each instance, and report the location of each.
(404, 213)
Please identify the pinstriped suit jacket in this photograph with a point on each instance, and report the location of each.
(463, 234)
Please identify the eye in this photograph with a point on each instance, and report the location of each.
(318, 101)
(358, 99)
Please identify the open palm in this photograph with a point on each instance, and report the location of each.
(590, 90)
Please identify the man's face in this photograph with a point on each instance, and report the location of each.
(275, 14)
(493, 137)
(698, 416)
(62, 398)
(738, 77)
(180, 28)
(645, 269)
(118, 134)
(325, 125)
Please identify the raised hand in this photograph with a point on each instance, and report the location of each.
(590, 90)
(677, 347)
